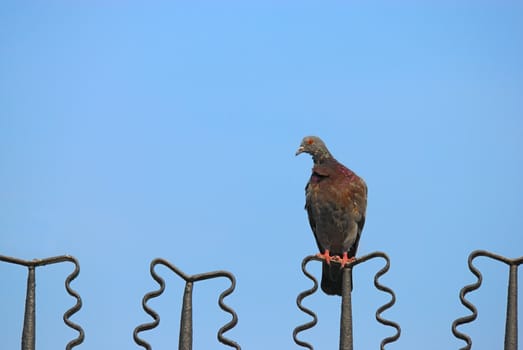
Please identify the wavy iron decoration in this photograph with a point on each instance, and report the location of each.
(299, 300)
(346, 313)
(186, 331)
(185, 339)
(511, 341)
(28, 333)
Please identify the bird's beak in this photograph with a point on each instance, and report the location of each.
(300, 150)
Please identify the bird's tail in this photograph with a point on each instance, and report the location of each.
(331, 279)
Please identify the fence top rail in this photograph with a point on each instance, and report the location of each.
(508, 261)
(39, 262)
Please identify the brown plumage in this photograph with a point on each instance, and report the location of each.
(336, 201)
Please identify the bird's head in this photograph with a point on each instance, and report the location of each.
(314, 146)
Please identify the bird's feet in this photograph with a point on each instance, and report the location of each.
(325, 256)
(346, 260)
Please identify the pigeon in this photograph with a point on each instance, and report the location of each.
(336, 202)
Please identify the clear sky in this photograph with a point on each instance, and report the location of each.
(133, 130)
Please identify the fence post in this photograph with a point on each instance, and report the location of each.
(28, 333)
(346, 342)
(185, 340)
(511, 325)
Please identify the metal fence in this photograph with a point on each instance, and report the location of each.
(28, 332)
(186, 327)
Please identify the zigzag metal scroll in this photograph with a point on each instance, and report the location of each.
(28, 334)
(299, 300)
(511, 322)
(379, 311)
(185, 340)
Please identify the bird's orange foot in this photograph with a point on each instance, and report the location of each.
(325, 256)
(346, 260)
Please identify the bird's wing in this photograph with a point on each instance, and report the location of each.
(319, 173)
(310, 214)
(359, 197)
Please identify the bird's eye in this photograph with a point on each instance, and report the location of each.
(310, 141)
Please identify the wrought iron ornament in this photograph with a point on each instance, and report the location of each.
(511, 325)
(185, 339)
(186, 330)
(28, 332)
(346, 305)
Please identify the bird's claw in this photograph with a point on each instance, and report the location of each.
(343, 260)
(346, 260)
(325, 256)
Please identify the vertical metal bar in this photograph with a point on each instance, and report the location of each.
(185, 340)
(511, 325)
(346, 310)
(28, 333)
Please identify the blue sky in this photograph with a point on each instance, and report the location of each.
(133, 130)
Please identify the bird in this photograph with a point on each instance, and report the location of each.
(336, 203)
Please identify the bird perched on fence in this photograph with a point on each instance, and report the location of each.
(336, 201)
